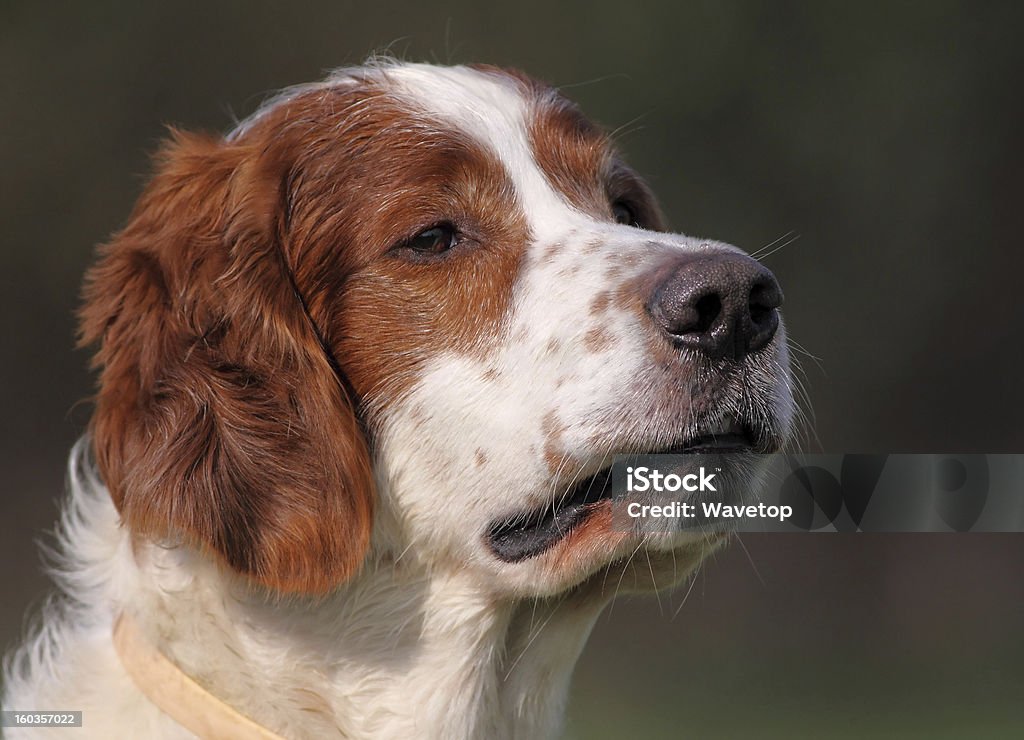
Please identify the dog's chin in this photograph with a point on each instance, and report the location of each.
(609, 564)
(654, 569)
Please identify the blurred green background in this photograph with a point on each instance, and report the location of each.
(888, 136)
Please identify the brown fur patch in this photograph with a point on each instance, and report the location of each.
(600, 303)
(550, 253)
(572, 152)
(553, 457)
(577, 157)
(630, 259)
(550, 426)
(597, 339)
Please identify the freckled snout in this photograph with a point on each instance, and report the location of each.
(722, 304)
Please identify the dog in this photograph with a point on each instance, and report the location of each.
(360, 364)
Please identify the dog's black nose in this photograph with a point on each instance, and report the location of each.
(721, 303)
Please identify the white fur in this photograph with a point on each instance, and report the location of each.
(435, 637)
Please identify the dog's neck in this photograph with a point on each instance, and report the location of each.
(400, 651)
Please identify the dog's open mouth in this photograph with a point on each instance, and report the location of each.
(533, 532)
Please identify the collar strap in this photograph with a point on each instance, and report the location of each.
(178, 695)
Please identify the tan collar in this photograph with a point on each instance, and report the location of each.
(184, 700)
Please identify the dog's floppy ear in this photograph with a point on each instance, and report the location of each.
(221, 419)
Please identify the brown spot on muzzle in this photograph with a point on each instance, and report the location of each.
(553, 431)
(550, 253)
(597, 339)
(600, 303)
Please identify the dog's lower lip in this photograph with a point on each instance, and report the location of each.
(535, 532)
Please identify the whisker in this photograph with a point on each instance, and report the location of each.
(622, 575)
(624, 128)
(761, 250)
(654, 581)
(689, 589)
(751, 561)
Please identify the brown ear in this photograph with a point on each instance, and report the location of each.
(220, 417)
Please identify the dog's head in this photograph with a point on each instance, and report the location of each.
(414, 309)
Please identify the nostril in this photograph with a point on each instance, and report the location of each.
(708, 309)
(764, 299)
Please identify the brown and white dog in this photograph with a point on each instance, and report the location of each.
(360, 361)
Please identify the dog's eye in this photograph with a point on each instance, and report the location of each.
(435, 240)
(624, 213)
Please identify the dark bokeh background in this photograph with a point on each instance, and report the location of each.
(889, 137)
